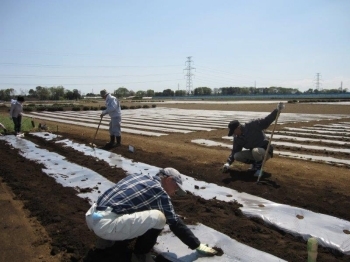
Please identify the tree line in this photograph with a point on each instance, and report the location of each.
(60, 93)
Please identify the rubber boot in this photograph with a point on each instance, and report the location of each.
(110, 144)
(119, 140)
(257, 168)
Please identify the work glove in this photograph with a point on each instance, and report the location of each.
(280, 106)
(205, 250)
(101, 115)
(225, 167)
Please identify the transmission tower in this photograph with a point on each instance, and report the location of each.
(189, 75)
(318, 84)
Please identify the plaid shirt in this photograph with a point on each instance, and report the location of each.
(137, 193)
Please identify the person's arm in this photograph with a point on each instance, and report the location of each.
(235, 148)
(187, 237)
(264, 123)
(185, 234)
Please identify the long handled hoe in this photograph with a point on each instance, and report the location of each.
(92, 143)
(268, 147)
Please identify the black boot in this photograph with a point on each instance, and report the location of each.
(119, 140)
(110, 144)
(257, 168)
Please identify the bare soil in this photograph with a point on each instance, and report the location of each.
(53, 217)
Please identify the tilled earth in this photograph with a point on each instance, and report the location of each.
(314, 186)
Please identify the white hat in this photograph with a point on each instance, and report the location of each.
(172, 172)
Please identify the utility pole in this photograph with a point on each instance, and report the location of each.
(189, 75)
(318, 81)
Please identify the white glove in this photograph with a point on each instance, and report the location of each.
(280, 106)
(225, 167)
(204, 250)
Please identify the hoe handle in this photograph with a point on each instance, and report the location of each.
(97, 130)
(268, 147)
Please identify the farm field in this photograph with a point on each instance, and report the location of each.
(317, 179)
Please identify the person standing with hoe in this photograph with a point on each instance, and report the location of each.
(251, 136)
(16, 111)
(114, 111)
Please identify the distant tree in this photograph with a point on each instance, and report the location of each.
(43, 93)
(32, 93)
(168, 92)
(7, 94)
(76, 94)
(140, 93)
(57, 93)
(150, 92)
(200, 91)
(69, 95)
(121, 92)
(180, 93)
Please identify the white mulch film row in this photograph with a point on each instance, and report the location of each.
(163, 121)
(327, 229)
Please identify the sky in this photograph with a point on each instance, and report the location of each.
(157, 45)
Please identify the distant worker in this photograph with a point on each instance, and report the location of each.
(251, 137)
(139, 206)
(114, 111)
(16, 111)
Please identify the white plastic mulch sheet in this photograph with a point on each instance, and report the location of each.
(330, 231)
(72, 175)
(162, 121)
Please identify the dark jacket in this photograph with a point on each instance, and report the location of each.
(253, 136)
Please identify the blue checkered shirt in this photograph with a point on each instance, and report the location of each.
(137, 193)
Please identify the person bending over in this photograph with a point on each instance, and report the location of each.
(139, 206)
(251, 136)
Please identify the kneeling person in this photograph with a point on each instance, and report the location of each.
(139, 206)
(251, 136)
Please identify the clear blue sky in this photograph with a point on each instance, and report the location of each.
(140, 45)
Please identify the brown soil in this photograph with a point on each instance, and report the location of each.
(52, 220)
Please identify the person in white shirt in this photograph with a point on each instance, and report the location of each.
(114, 111)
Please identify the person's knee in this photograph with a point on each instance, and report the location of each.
(239, 157)
(159, 219)
(258, 154)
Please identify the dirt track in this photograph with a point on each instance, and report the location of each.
(315, 186)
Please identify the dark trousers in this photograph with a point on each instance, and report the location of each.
(17, 121)
(145, 243)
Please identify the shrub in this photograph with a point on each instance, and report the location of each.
(28, 109)
(76, 108)
(86, 108)
(145, 106)
(153, 106)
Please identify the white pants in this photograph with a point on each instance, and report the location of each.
(110, 226)
(115, 126)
